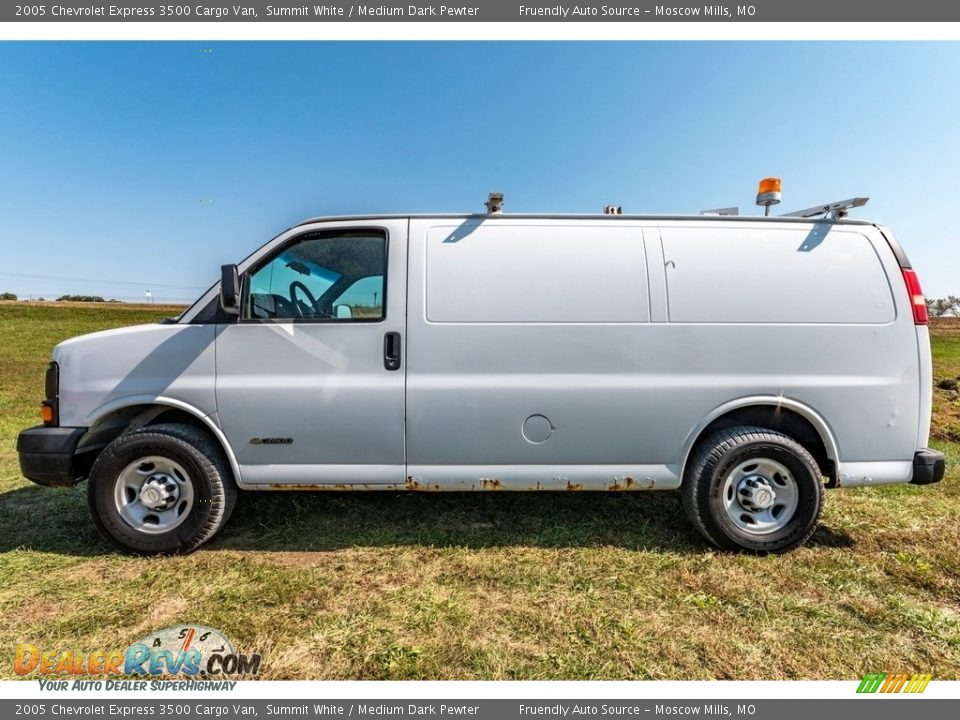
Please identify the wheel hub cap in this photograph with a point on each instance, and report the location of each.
(159, 492)
(755, 493)
(760, 495)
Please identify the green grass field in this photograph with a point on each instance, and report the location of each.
(478, 586)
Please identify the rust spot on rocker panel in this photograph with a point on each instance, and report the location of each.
(490, 483)
(629, 483)
(417, 485)
(317, 487)
(572, 486)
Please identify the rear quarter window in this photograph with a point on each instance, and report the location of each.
(809, 274)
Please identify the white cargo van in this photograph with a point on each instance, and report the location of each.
(747, 361)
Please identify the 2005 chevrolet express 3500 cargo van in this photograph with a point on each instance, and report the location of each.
(747, 362)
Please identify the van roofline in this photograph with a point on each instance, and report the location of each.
(582, 216)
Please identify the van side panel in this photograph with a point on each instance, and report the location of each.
(500, 272)
(774, 275)
(526, 346)
(825, 324)
(815, 312)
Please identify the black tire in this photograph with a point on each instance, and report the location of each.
(206, 477)
(709, 488)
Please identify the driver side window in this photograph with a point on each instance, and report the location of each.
(336, 276)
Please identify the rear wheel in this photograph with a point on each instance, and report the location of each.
(161, 489)
(749, 488)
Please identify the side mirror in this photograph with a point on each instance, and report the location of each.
(343, 312)
(230, 289)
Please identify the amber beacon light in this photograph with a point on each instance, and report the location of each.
(768, 193)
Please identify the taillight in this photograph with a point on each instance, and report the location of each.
(50, 407)
(916, 297)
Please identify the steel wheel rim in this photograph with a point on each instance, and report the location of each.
(153, 494)
(760, 496)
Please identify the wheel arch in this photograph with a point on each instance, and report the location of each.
(785, 415)
(111, 420)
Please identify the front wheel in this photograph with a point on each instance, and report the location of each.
(162, 489)
(749, 488)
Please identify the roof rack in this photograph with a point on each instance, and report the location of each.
(722, 211)
(769, 195)
(835, 210)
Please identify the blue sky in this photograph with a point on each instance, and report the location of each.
(150, 164)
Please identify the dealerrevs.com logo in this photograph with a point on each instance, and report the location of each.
(190, 650)
(895, 683)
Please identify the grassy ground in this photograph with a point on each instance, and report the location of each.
(506, 586)
(946, 359)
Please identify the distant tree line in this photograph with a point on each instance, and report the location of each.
(64, 298)
(84, 298)
(943, 307)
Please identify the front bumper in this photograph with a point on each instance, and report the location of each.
(929, 467)
(47, 454)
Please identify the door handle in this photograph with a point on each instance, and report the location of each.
(391, 351)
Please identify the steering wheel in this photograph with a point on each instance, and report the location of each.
(314, 305)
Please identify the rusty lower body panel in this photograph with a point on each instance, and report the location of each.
(515, 478)
(483, 484)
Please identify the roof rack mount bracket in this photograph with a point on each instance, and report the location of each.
(835, 210)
